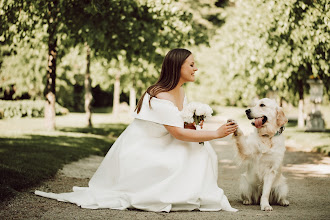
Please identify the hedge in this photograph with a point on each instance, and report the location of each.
(27, 108)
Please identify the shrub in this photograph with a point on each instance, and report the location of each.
(27, 108)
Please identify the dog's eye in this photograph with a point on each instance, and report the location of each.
(262, 105)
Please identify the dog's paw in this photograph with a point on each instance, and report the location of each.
(238, 132)
(232, 121)
(267, 208)
(247, 202)
(284, 202)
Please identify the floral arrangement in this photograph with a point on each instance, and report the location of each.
(196, 113)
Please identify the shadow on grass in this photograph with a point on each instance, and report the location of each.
(28, 160)
(113, 130)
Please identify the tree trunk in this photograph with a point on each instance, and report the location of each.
(301, 120)
(51, 68)
(281, 101)
(88, 89)
(116, 96)
(132, 96)
(132, 99)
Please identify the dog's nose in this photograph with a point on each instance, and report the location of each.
(247, 111)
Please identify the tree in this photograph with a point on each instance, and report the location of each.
(24, 69)
(222, 65)
(140, 28)
(272, 47)
(88, 88)
(137, 29)
(22, 19)
(294, 34)
(299, 39)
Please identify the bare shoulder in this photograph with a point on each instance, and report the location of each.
(164, 95)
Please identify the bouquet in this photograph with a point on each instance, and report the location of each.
(196, 113)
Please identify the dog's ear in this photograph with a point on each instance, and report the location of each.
(281, 118)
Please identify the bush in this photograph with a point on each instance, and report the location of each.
(26, 108)
(325, 149)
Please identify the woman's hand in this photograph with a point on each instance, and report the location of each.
(227, 129)
(191, 135)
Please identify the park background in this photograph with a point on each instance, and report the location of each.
(72, 71)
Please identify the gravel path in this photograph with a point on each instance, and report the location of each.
(308, 178)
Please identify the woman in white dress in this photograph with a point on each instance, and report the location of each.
(157, 164)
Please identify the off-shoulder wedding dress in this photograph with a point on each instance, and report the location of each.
(148, 169)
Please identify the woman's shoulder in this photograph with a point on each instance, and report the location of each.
(168, 96)
(161, 110)
(164, 95)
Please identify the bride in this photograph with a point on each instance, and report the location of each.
(157, 164)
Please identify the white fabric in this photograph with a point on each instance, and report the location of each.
(148, 169)
(161, 111)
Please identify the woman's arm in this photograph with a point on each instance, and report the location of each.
(200, 135)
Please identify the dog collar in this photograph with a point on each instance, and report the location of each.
(279, 132)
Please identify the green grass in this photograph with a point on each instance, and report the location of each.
(308, 141)
(30, 157)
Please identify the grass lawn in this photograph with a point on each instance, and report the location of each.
(30, 155)
(307, 141)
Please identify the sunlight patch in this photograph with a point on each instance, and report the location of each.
(309, 170)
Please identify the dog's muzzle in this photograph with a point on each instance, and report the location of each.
(248, 114)
(259, 124)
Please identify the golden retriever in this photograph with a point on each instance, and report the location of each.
(263, 153)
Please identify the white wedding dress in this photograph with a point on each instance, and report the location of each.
(148, 169)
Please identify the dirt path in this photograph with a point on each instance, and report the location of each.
(308, 178)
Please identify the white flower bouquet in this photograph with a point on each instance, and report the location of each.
(196, 112)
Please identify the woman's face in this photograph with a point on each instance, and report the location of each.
(188, 70)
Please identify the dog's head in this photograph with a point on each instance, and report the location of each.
(267, 115)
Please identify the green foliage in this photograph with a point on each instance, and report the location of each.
(70, 79)
(126, 36)
(26, 20)
(297, 47)
(25, 70)
(259, 47)
(26, 108)
(133, 29)
(266, 48)
(137, 34)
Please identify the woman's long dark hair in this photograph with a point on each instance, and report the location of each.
(169, 76)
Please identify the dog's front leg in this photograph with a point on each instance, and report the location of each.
(242, 147)
(268, 182)
(240, 140)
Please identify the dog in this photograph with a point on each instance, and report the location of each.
(263, 152)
